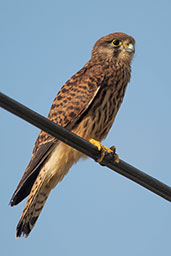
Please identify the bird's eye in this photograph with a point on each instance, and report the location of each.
(116, 43)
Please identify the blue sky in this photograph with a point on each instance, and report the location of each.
(94, 211)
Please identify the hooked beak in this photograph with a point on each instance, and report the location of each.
(130, 48)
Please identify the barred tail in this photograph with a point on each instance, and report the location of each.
(36, 200)
(51, 173)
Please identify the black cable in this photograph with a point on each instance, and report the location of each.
(85, 147)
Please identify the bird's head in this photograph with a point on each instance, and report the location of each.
(114, 47)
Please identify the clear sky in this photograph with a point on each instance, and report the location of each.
(94, 211)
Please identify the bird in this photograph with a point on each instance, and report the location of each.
(86, 105)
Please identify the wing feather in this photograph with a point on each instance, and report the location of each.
(73, 99)
(31, 172)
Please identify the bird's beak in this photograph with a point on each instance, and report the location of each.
(130, 48)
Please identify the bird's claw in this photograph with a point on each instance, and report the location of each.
(104, 150)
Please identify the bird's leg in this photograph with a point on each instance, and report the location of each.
(104, 149)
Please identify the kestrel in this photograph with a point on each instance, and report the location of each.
(86, 105)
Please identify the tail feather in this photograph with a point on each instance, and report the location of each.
(34, 205)
(52, 172)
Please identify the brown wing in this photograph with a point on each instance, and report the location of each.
(31, 172)
(71, 102)
(73, 99)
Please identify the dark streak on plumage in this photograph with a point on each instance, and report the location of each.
(59, 97)
(85, 124)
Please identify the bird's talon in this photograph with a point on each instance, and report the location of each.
(114, 154)
(113, 148)
(116, 158)
(104, 149)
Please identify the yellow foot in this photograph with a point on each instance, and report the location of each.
(104, 149)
